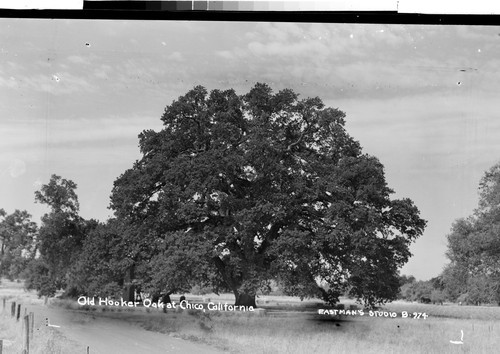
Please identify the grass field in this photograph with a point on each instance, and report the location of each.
(299, 329)
(46, 340)
(295, 328)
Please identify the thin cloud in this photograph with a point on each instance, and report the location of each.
(176, 56)
(369, 59)
(17, 168)
(296, 50)
(16, 138)
(57, 83)
(447, 130)
(102, 71)
(84, 59)
(14, 167)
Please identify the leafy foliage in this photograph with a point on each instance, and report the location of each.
(38, 277)
(60, 236)
(17, 242)
(59, 194)
(414, 291)
(474, 248)
(239, 190)
(98, 268)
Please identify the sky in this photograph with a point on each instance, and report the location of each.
(74, 95)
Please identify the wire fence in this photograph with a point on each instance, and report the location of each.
(28, 320)
(25, 341)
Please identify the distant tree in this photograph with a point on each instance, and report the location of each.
(60, 236)
(38, 277)
(438, 283)
(483, 289)
(406, 287)
(17, 242)
(97, 266)
(437, 296)
(415, 291)
(454, 279)
(474, 247)
(406, 292)
(260, 187)
(59, 195)
(406, 279)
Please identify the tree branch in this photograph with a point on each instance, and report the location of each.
(306, 129)
(289, 148)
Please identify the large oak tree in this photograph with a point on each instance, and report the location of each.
(265, 186)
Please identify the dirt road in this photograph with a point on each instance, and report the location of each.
(107, 335)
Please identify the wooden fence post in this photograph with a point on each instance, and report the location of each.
(18, 312)
(13, 309)
(3, 309)
(27, 334)
(1, 345)
(32, 323)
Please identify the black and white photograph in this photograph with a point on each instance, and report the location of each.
(176, 186)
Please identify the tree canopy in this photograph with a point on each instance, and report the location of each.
(240, 190)
(100, 266)
(473, 274)
(60, 236)
(17, 242)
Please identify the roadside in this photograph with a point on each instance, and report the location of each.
(107, 335)
(76, 331)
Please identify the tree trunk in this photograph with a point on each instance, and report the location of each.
(241, 299)
(129, 287)
(244, 300)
